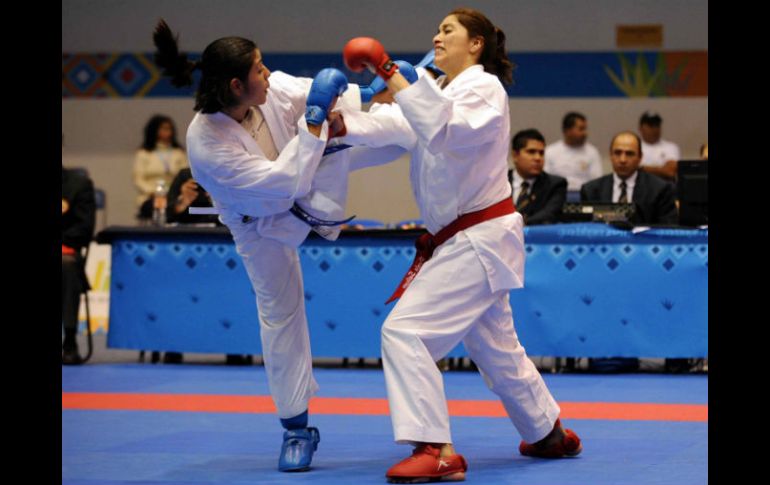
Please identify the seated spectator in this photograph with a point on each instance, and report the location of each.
(652, 197)
(573, 157)
(78, 217)
(160, 157)
(654, 201)
(185, 193)
(538, 196)
(659, 156)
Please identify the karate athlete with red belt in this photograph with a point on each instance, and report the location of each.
(457, 130)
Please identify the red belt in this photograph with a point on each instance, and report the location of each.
(427, 243)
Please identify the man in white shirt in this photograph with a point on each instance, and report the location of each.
(573, 157)
(659, 156)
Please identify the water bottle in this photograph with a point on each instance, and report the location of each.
(159, 203)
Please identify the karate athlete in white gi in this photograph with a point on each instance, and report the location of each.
(457, 130)
(257, 146)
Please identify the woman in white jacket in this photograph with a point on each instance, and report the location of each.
(457, 130)
(161, 157)
(256, 145)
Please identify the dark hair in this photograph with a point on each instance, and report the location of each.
(151, 132)
(650, 119)
(570, 119)
(638, 140)
(521, 138)
(222, 60)
(493, 57)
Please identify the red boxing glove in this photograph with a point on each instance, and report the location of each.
(365, 52)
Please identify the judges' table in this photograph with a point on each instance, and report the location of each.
(591, 290)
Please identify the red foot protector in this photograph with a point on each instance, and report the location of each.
(427, 464)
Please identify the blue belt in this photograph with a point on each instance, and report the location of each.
(335, 148)
(314, 221)
(300, 214)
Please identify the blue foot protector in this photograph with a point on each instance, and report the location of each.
(297, 422)
(297, 449)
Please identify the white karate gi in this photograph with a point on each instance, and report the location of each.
(227, 161)
(458, 138)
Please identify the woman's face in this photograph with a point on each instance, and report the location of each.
(257, 85)
(453, 48)
(165, 132)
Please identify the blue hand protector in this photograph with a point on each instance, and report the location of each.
(427, 62)
(328, 84)
(378, 84)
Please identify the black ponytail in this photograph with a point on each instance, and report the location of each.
(167, 56)
(503, 67)
(222, 61)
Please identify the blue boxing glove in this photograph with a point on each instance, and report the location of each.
(427, 63)
(407, 70)
(328, 84)
(378, 84)
(367, 92)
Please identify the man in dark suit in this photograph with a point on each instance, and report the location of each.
(654, 201)
(78, 216)
(538, 196)
(652, 196)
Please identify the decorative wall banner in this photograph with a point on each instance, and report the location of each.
(547, 75)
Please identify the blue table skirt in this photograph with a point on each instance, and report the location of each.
(590, 290)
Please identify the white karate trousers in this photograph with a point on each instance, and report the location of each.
(450, 301)
(276, 276)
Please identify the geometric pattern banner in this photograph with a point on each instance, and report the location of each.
(108, 75)
(538, 74)
(590, 291)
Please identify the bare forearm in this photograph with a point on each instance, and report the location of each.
(180, 206)
(397, 82)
